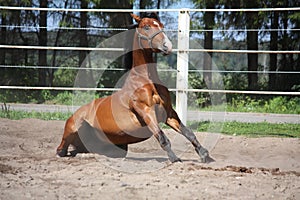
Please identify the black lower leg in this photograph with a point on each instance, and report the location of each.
(62, 152)
(188, 133)
(166, 145)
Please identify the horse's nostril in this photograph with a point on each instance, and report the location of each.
(165, 47)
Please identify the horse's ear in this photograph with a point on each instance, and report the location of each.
(135, 17)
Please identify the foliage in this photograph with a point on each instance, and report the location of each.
(5, 112)
(261, 129)
(202, 99)
(64, 77)
(62, 98)
(280, 105)
(285, 40)
(77, 98)
(283, 105)
(20, 96)
(263, 25)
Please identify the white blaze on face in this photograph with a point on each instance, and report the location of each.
(156, 24)
(167, 42)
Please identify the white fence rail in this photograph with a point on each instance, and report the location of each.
(150, 10)
(170, 89)
(121, 49)
(182, 55)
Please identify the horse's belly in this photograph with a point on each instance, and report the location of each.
(129, 137)
(117, 124)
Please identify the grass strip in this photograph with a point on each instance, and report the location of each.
(260, 129)
(16, 115)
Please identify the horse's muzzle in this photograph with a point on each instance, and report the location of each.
(166, 48)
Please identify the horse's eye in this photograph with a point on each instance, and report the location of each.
(147, 28)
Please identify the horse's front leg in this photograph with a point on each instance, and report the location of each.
(148, 115)
(174, 122)
(166, 145)
(70, 134)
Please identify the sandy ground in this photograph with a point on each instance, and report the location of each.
(244, 168)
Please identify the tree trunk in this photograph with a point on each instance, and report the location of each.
(208, 44)
(51, 72)
(252, 44)
(42, 61)
(273, 47)
(286, 62)
(3, 51)
(158, 4)
(142, 4)
(3, 39)
(83, 41)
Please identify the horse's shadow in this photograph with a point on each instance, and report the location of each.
(147, 159)
(88, 140)
(164, 160)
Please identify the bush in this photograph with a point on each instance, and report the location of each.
(283, 105)
(63, 98)
(279, 104)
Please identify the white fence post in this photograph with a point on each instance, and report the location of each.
(182, 63)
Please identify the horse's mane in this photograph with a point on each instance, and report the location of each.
(128, 42)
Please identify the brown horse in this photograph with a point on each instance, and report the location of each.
(132, 114)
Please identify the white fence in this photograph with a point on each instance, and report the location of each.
(182, 52)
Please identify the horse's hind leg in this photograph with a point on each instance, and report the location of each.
(174, 122)
(68, 138)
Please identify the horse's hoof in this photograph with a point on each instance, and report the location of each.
(204, 159)
(207, 159)
(173, 160)
(73, 153)
(203, 153)
(61, 153)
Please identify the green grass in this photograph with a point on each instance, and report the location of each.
(232, 128)
(260, 129)
(16, 115)
(238, 103)
(279, 105)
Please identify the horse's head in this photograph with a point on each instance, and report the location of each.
(151, 35)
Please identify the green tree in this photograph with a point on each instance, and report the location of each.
(82, 34)
(282, 39)
(252, 23)
(42, 37)
(289, 40)
(13, 34)
(209, 24)
(116, 20)
(3, 37)
(274, 16)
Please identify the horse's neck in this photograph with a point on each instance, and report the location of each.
(141, 57)
(144, 63)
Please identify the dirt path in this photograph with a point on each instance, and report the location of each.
(245, 168)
